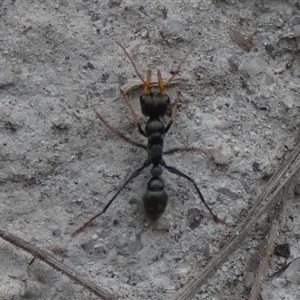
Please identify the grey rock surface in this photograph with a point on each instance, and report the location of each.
(59, 63)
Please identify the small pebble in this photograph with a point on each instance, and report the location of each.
(94, 237)
(162, 224)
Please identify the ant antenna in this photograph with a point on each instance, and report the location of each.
(148, 79)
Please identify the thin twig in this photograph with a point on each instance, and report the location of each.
(273, 216)
(264, 263)
(263, 266)
(263, 204)
(49, 259)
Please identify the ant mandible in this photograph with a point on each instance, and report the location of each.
(154, 105)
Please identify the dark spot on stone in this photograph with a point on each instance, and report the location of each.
(113, 3)
(297, 189)
(104, 77)
(227, 192)
(9, 126)
(283, 250)
(255, 167)
(89, 65)
(194, 218)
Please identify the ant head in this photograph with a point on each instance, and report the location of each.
(154, 104)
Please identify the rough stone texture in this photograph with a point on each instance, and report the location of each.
(59, 62)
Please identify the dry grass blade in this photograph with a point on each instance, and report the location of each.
(49, 259)
(263, 204)
(263, 266)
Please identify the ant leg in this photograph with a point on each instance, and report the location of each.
(219, 155)
(133, 175)
(174, 111)
(180, 174)
(118, 133)
(186, 149)
(133, 113)
(176, 71)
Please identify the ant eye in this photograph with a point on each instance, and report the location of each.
(168, 100)
(142, 100)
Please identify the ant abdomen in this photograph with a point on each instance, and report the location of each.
(155, 198)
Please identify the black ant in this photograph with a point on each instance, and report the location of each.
(154, 104)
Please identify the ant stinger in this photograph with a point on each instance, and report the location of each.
(154, 105)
